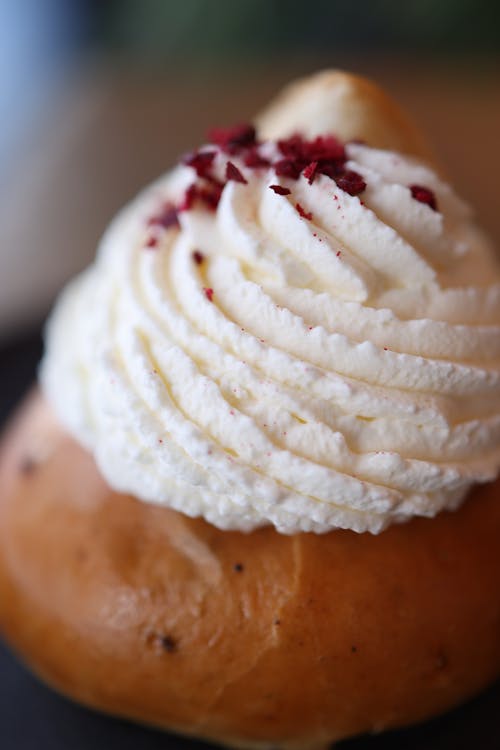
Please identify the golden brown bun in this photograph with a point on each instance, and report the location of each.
(347, 105)
(258, 638)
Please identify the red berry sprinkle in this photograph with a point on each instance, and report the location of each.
(201, 161)
(254, 160)
(232, 140)
(322, 148)
(287, 168)
(189, 198)
(351, 182)
(165, 218)
(209, 194)
(198, 257)
(321, 155)
(310, 172)
(305, 214)
(424, 195)
(280, 190)
(209, 293)
(233, 173)
(151, 241)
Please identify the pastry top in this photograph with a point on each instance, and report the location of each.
(348, 105)
(300, 332)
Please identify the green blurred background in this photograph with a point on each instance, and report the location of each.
(216, 31)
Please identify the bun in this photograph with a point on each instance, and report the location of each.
(251, 640)
(345, 104)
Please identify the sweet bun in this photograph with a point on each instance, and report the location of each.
(248, 639)
(345, 104)
(251, 640)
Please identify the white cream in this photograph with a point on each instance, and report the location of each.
(346, 373)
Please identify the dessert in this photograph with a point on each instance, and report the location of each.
(256, 501)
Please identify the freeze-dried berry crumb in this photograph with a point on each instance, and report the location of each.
(424, 195)
(351, 182)
(287, 168)
(302, 212)
(254, 160)
(323, 155)
(327, 152)
(233, 173)
(209, 293)
(151, 241)
(320, 149)
(233, 139)
(280, 190)
(310, 171)
(189, 198)
(208, 193)
(201, 161)
(198, 257)
(166, 217)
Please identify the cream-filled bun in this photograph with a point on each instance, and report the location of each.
(255, 501)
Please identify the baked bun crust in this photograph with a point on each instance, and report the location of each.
(348, 105)
(249, 639)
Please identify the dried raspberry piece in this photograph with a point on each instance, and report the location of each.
(322, 155)
(292, 147)
(310, 172)
(280, 190)
(198, 257)
(233, 173)
(201, 161)
(332, 169)
(351, 182)
(151, 242)
(305, 214)
(424, 195)
(287, 168)
(321, 148)
(325, 148)
(189, 198)
(254, 160)
(166, 217)
(209, 194)
(231, 140)
(209, 293)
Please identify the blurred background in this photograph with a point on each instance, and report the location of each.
(98, 97)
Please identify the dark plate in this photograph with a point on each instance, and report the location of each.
(33, 717)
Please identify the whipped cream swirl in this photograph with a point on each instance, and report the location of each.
(311, 359)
